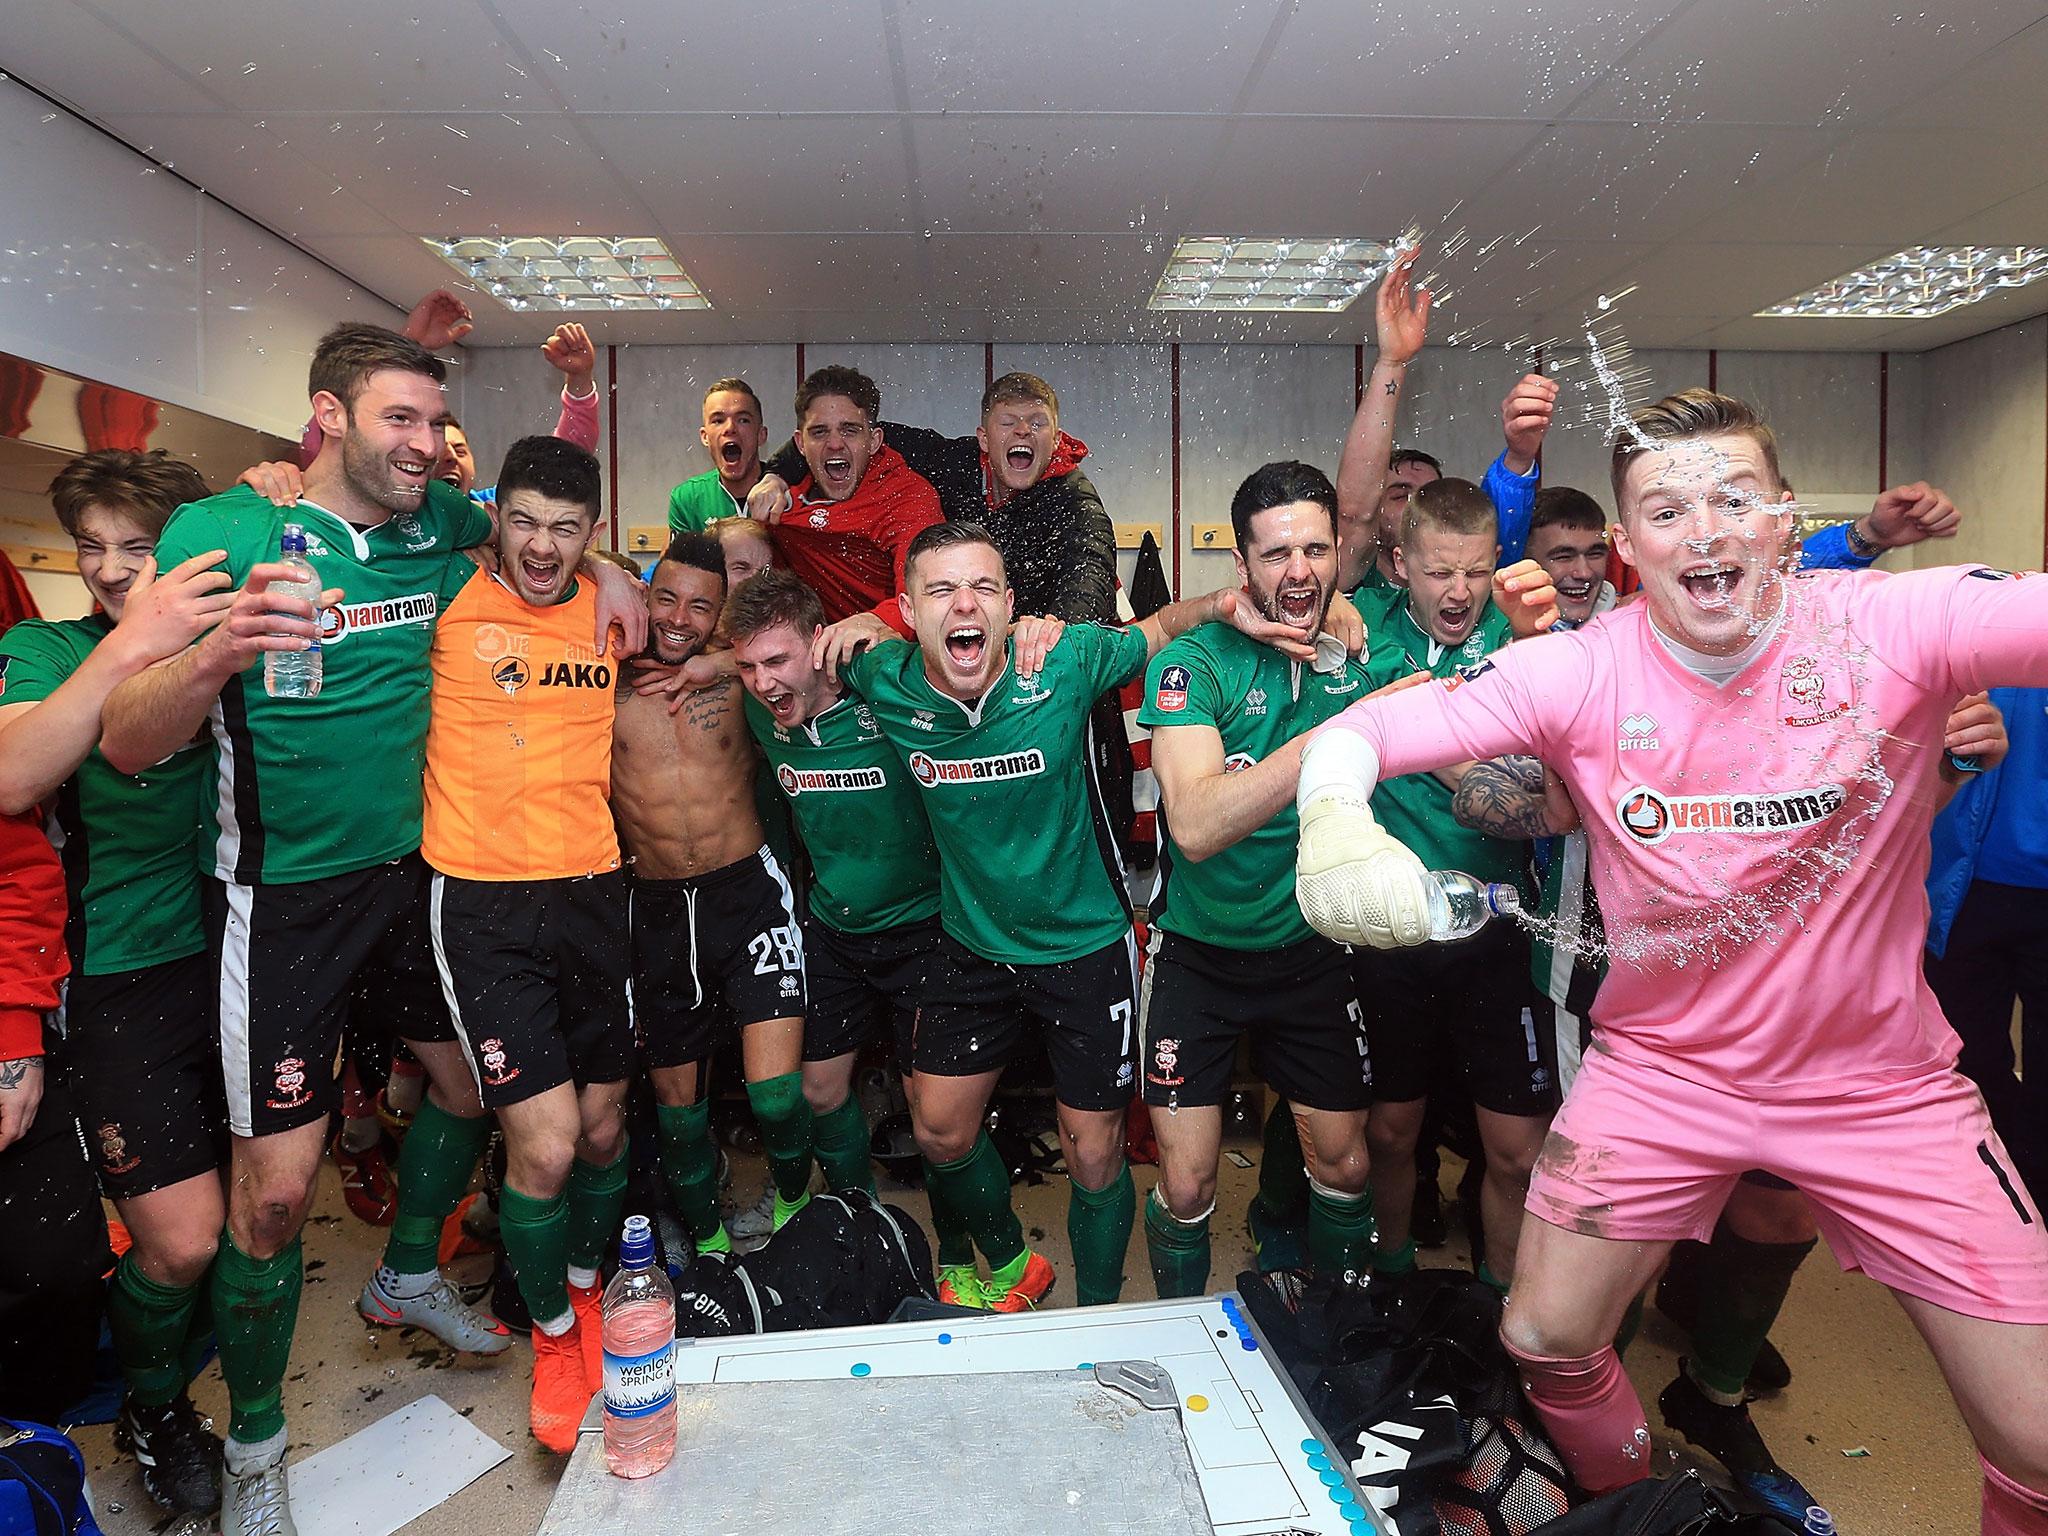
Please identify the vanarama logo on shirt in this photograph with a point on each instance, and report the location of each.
(929, 770)
(813, 781)
(1650, 817)
(389, 613)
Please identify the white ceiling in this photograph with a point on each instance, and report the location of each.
(967, 170)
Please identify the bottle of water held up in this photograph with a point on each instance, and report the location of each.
(294, 674)
(639, 1359)
(1459, 906)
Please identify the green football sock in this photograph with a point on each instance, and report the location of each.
(149, 1323)
(1398, 1261)
(434, 1166)
(255, 1309)
(1283, 1179)
(977, 1187)
(1742, 1288)
(840, 1138)
(199, 1338)
(597, 1199)
(1099, 1227)
(690, 1164)
(1340, 1231)
(1179, 1250)
(785, 1121)
(956, 1243)
(535, 1233)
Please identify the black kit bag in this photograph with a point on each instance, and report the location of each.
(842, 1260)
(1681, 1505)
(1407, 1376)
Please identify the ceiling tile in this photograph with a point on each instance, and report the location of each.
(1440, 58)
(1070, 172)
(252, 165)
(707, 58)
(366, 56)
(1835, 64)
(1081, 55)
(76, 56)
(1351, 176)
(1890, 187)
(1650, 180)
(765, 172)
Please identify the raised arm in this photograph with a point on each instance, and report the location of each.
(1510, 481)
(570, 351)
(1401, 320)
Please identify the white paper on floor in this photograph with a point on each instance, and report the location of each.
(388, 1475)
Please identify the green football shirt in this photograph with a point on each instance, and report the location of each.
(127, 843)
(1416, 807)
(699, 502)
(1028, 869)
(308, 788)
(1257, 700)
(873, 865)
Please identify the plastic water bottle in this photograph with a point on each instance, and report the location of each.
(1818, 1522)
(1459, 905)
(639, 1359)
(294, 674)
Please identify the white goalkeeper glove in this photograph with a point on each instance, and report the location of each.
(1355, 882)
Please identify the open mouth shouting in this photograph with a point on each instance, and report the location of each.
(837, 475)
(966, 645)
(1300, 606)
(783, 705)
(540, 577)
(729, 454)
(1711, 584)
(1021, 458)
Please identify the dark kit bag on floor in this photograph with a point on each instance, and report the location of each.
(1683, 1505)
(1408, 1377)
(42, 1483)
(840, 1261)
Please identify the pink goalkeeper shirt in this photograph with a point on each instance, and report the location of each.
(1759, 849)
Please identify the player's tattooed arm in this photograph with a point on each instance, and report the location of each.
(1511, 797)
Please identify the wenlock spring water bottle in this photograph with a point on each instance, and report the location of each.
(639, 1359)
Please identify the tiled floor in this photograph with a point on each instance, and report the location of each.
(1861, 1380)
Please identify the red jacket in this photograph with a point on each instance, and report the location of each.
(851, 552)
(32, 957)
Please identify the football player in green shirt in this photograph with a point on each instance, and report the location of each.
(318, 887)
(139, 1044)
(733, 434)
(1031, 893)
(1230, 953)
(1475, 994)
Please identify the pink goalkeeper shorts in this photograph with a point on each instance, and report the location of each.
(1908, 1182)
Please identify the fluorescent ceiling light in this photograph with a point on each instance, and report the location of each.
(1919, 282)
(1268, 272)
(576, 272)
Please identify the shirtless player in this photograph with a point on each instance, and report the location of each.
(714, 918)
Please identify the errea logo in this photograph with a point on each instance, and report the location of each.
(1638, 733)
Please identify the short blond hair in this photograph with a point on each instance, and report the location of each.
(1688, 414)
